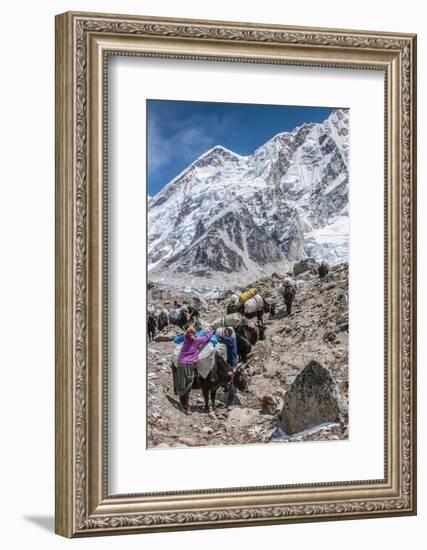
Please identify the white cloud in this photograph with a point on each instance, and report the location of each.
(181, 140)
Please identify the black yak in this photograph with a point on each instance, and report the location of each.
(151, 326)
(220, 375)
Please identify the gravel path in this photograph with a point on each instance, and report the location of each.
(317, 329)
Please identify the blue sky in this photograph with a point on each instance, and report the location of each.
(180, 131)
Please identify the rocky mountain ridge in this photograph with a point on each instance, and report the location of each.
(228, 218)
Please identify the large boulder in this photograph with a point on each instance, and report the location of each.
(313, 399)
(305, 265)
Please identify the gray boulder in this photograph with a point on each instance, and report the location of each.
(313, 399)
(305, 265)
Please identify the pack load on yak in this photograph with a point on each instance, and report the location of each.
(230, 320)
(254, 304)
(213, 340)
(175, 315)
(206, 360)
(247, 295)
(235, 299)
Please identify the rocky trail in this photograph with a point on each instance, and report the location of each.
(316, 330)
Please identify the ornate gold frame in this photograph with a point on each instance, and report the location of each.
(83, 506)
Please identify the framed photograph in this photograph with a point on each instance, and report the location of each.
(235, 274)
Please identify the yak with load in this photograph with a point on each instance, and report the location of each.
(180, 318)
(251, 306)
(212, 372)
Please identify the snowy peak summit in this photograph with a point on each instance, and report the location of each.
(227, 218)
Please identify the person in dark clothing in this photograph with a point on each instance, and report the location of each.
(288, 292)
(230, 342)
(323, 270)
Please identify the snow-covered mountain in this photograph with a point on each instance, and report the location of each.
(228, 219)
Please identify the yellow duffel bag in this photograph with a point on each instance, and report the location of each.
(248, 295)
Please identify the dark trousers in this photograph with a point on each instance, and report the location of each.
(231, 395)
(184, 400)
(231, 389)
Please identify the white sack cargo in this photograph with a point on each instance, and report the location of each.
(220, 331)
(254, 304)
(222, 350)
(206, 358)
(230, 320)
(234, 299)
(175, 315)
(202, 326)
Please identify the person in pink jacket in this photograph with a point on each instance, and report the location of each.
(189, 356)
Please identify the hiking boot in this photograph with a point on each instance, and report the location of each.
(187, 410)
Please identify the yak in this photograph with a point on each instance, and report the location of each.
(240, 308)
(151, 326)
(220, 375)
(244, 347)
(191, 311)
(252, 334)
(180, 318)
(162, 319)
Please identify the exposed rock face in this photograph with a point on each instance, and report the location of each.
(231, 244)
(312, 399)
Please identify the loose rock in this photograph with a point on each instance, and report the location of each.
(163, 338)
(272, 367)
(269, 404)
